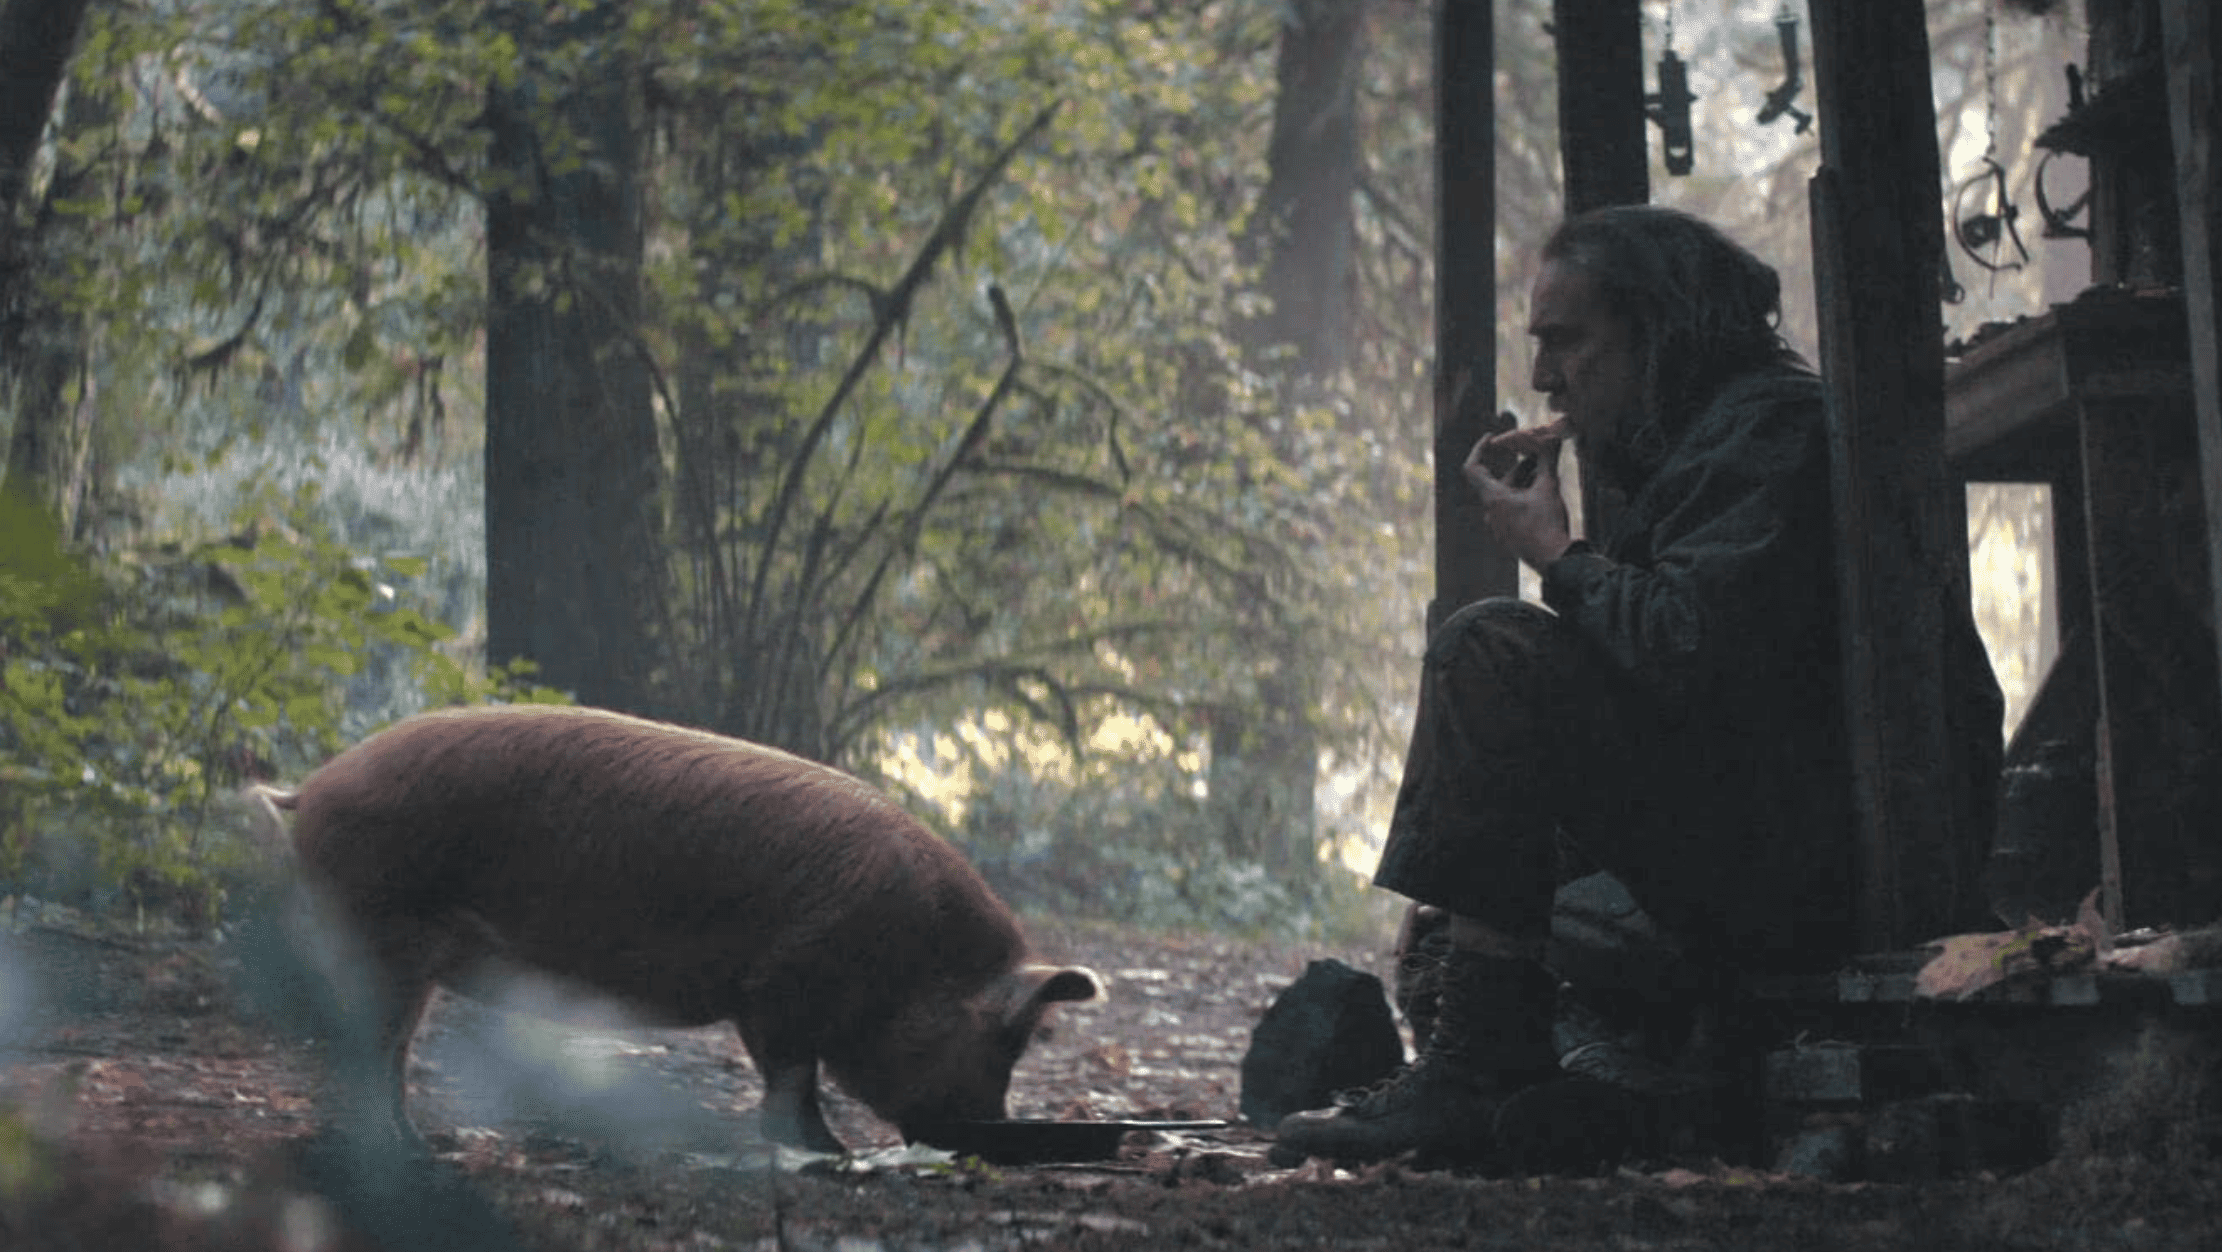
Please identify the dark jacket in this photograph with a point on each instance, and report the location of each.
(1715, 594)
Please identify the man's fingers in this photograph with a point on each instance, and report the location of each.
(1536, 441)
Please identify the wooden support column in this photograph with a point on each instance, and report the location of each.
(1604, 152)
(2192, 46)
(2155, 858)
(1601, 141)
(1469, 565)
(1901, 518)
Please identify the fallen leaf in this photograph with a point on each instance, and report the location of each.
(2091, 922)
(1965, 965)
(2164, 955)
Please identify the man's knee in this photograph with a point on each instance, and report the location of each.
(1492, 625)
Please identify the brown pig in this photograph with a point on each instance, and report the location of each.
(694, 878)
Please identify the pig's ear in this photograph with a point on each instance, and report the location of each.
(1052, 985)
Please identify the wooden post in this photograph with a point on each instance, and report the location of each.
(2192, 47)
(1902, 520)
(1603, 148)
(1469, 565)
(1602, 145)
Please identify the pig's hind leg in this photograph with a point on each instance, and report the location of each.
(407, 960)
(789, 1068)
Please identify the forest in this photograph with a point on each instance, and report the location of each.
(1024, 405)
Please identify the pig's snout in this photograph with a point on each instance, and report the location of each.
(962, 1076)
(951, 1062)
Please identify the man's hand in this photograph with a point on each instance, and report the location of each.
(1528, 518)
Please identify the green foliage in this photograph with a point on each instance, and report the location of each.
(28, 1166)
(887, 508)
(924, 515)
(1134, 844)
(139, 693)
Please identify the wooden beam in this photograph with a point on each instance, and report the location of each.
(1902, 519)
(1469, 565)
(2192, 48)
(1604, 155)
(1603, 149)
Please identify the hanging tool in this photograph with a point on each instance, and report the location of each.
(2060, 222)
(1793, 76)
(1991, 226)
(1669, 106)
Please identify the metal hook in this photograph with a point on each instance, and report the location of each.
(2060, 223)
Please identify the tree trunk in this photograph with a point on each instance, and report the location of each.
(1265, 756)
(1305, 230)
(41, 347)
(574, 573)
(36, 39)
(50, 446)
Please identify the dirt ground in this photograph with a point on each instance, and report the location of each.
(143, 1105)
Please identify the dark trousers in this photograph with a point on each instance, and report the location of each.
(1532, 759)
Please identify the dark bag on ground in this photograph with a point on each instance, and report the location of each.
(1329, 1030)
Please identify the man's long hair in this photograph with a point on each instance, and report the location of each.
(1703, 309)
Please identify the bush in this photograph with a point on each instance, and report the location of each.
(136, 693)
(1133, 845)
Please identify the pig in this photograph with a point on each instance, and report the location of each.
(695, 879)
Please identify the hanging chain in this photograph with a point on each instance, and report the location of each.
(1990, 228)
(1990, 80)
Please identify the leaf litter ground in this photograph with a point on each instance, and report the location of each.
(142, 1106)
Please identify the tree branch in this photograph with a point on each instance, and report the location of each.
(915, 521)
(891, 313)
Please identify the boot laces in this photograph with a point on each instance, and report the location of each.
(1391, 1089)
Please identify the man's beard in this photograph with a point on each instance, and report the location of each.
(1627, 456)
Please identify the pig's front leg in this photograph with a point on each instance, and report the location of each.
(791, 1114)
(788, 1064)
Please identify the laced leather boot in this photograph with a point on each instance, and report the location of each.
(1491, 1039)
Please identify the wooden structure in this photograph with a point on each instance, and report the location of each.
(1468, 564)
(2107, 400)
(2100, 399)
(2113, 400)
(1902, 522)
(2192, 56)
(1603, 141)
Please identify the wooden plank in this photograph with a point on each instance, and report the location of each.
(1902, 520)
(2192, 48)
(1468, 563)
(2197, 988)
